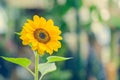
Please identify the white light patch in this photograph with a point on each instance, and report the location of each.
(61, 2)
(3, 21)
(70, 19)
(102, 33)
(84, 14)
(105, 14)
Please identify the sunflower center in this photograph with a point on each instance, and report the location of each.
(41, 35)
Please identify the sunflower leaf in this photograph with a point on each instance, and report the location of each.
(56, 59)
(17, 33)
(24, 62)
(45, 68)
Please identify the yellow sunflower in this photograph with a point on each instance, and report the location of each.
(43, 35)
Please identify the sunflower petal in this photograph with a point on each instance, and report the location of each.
(36, 20)
(50, 22)
(53, 46)
(40, 51)
(25, 43)
(49, 50)
(42, 22)
(29, 36)
(41, 48)
(31, 23)
(28, 28)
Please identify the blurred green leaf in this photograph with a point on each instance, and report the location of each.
(114, 21)
(24, 62)
(17, 33)
(97, 11)
(92, 8)
(45, 68)
(56, 59)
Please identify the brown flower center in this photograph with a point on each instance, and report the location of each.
(41, 35)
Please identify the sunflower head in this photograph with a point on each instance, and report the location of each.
(43, 35)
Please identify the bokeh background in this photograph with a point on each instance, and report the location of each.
(91, 35)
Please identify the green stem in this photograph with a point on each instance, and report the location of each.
(36, 65)
(41, 77)
(30, 72)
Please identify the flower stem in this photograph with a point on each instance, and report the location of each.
(41, 77)
(30, 72)
(36, 65)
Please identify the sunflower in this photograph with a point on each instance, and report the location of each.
(43, 35)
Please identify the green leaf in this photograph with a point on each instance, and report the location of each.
(17, 33)
(114, 21)
(45, 68)
(24, 62)
(56, 59)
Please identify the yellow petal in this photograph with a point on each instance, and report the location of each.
(41, 48)
(50, 51)
(53, 46)
(36, 20)
(23, 37)
(42, 22)
(34, 48)
(28, 28)
(40, 51)
(34, 45)
(30, 36)
(23, 32)
(54, 31)
(32, 24)
(56, 37)
(50, 22)
(25, 42)
(57, 44)
(59, 38)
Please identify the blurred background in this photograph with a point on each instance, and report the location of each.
(91, 35)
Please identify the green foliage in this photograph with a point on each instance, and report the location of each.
(59, 75)
(56, 58)
(45, 68)
(17, 33)
(24, 62)
(50, 66)
(114, 21)
(97, 11)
